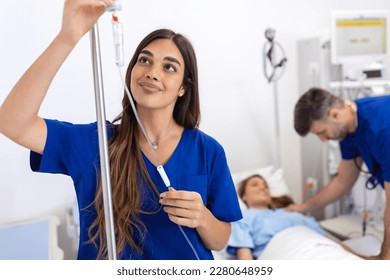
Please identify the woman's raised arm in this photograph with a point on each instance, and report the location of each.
(19, 118)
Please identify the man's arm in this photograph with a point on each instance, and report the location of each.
(340, 185)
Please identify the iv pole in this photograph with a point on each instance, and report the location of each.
(103, 142)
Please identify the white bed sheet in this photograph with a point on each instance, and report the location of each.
(301, 243)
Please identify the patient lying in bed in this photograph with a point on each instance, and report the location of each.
(263, 220)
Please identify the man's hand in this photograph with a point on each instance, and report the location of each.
(296, 207)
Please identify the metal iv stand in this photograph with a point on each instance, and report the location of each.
(103, 142)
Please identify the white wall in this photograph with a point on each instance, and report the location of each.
(236, 101)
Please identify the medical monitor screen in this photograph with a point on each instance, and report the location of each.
(359, 38)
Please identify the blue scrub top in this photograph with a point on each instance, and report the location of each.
(197, 164)
(371, 140)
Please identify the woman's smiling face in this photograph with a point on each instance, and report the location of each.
(257, 194)
(157, 77)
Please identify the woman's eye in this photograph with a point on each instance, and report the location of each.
(170, 68)
(143, 60)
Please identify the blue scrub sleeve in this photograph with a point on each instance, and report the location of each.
(222, 198)
(67, 148)
(348, 149)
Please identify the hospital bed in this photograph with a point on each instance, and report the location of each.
(302, 243)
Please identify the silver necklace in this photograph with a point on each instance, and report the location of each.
(155, 145)
(156, 142)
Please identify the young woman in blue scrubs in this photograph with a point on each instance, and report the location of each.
(162, 78)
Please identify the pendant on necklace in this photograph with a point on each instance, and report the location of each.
(155, 145)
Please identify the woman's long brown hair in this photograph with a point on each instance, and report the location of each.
(128, 170)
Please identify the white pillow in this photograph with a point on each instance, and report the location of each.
(277, 184)
(264, 172)
(274, 178)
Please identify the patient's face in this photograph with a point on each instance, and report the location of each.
(257, 194)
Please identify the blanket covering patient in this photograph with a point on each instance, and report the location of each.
(263, 219)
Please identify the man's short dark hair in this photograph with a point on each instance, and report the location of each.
(312, 106)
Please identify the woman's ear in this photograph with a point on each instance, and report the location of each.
(182, 91)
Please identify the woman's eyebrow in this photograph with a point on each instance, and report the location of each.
(168, 58)
(172, 59)
(147, 53)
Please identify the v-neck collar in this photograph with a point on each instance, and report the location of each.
(181, 146)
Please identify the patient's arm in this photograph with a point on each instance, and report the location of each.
(244, 254)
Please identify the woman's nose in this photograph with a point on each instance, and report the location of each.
(152, 74)
(263, 188)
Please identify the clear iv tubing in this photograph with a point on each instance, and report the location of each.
(160, 168)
